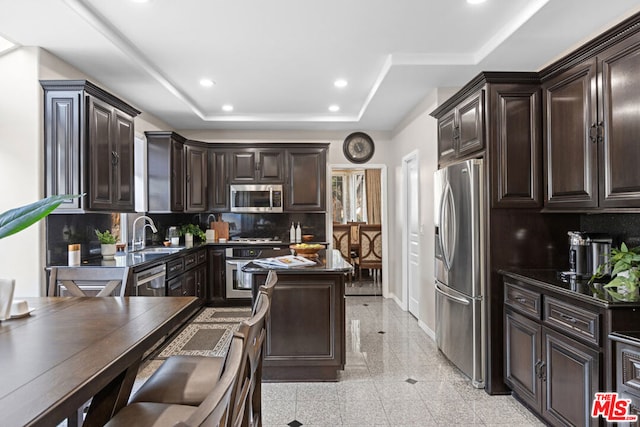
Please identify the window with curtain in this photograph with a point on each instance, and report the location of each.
(349, 195)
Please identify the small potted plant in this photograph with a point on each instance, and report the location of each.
(190, 230)
(107, 244)
(625, 274)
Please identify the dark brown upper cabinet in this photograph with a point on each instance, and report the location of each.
(88, 146)
(218, 180)
(516, 145)
(497, 116)
(165, 172)
(306, 179)
(257, 165)
(592, 125)
(460, 130)
(196, 178)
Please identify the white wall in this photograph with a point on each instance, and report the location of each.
(22, 256)
(417, 133)
(21, 162)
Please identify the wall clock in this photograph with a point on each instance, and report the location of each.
(358, 147)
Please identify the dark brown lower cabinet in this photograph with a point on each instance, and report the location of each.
(627, 368)
(215, 288)
(553, 374)
(306, 328)
(523, 355)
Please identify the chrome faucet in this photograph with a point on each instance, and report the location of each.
(139, 243)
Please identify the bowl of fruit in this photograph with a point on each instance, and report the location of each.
(309, 250)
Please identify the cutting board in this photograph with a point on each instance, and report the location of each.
(221, 228)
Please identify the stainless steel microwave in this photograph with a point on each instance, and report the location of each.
(256, 198)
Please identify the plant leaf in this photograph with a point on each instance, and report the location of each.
(18, 219)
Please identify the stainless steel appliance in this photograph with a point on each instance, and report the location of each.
(599, 253)
(238, 284)
(256, 198)
(586, 252)
(150, 282)
(579, 244)
(459, 267)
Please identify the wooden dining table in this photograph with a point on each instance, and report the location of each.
(72, 349)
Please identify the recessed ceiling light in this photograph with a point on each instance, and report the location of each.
(140, 1)
(334, 108)
(340, 83)
(227, 107)
(475, 1)
(207, 82)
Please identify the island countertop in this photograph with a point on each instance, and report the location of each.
(329, 261)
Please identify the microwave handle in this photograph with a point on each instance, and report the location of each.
(270, 198)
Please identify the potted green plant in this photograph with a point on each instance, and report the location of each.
(624, 264)
(190, 230)
(107, 243)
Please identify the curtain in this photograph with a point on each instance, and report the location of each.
(374, 194)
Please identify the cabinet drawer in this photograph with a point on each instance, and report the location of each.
(201, 256)
(190, 260)
(523, 300)
(175, 267)
(575, 321)
(629, 369)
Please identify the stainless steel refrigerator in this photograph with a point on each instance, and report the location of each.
(459, 267)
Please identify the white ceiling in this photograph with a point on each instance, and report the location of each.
(275, 61)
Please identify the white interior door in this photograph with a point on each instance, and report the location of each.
(413, 234)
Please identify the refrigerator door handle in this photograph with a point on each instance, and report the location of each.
(463, 301)
(447, 224)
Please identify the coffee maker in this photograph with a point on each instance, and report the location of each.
(586, 252)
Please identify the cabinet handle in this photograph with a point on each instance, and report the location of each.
(568, 318)
(521, 300)
(542, 374)
(600, 132)
(114, 158)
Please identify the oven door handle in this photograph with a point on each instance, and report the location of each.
(238, 263)
(270, 198)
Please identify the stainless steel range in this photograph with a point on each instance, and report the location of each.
(238, 284)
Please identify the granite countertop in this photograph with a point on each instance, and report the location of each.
(629, 337)
(142, 260)
(327, 262)
(553, 280)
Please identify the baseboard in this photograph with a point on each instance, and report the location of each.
(427, 330)
(398, 301)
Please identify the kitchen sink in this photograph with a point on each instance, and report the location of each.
(161, 250)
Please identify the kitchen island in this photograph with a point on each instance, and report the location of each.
(306, 328)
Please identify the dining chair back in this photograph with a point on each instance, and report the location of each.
(188, 380)
(370, 247)
(89, 281)
(342, 240)
(354, 234)
(267, 288)
(247, 397)
(214, 410)
(216, 407)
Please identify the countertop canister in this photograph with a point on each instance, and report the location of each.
(74, 254)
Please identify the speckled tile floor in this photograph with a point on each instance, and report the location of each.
(394, 376)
